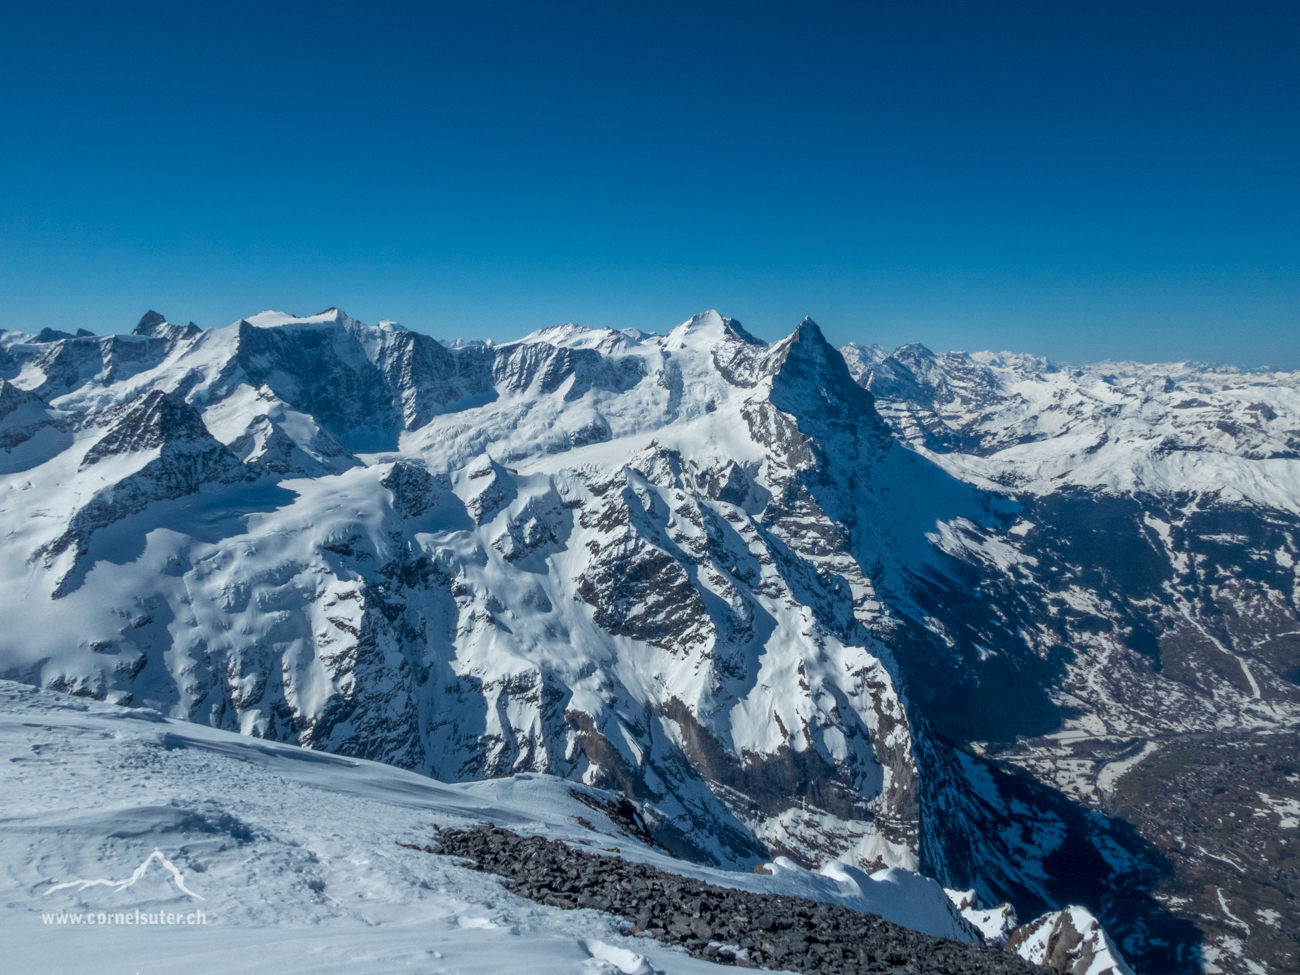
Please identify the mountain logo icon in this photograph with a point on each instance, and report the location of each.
(178, 878)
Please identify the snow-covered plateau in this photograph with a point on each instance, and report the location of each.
(1005, 623)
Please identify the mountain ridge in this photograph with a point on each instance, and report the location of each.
(790, 600)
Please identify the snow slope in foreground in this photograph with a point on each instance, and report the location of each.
(294, 858)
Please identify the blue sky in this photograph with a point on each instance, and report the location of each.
(1075, 180)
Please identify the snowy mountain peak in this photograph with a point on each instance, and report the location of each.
(812, 382)
(149, 324)
(148, 423)
(572, 336)
(710, 328)
(704, 319)
(273, 319)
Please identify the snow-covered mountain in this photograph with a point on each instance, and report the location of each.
(918, 619)
(1022, 422)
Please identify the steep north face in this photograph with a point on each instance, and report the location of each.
(1131, 640)
(888, 609)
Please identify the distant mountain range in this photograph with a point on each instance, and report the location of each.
(1029, 629)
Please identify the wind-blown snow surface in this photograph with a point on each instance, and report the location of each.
(295, 858)
(696, 568)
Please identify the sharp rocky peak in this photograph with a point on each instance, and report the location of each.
(153, 420)
(154, 326)
(150, 324)
(812, 382)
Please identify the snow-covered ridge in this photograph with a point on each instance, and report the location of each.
(93, 791)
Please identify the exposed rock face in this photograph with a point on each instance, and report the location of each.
(156, 420)
(486, 486)
(994, 924)
(414, 489)
(23, 415)
(636, 588)
(1070, 941)
(894, 610)
(323, 371)
(420, 375)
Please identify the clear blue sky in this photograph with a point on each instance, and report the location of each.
(1078, 180)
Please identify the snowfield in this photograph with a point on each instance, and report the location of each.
(296, 862)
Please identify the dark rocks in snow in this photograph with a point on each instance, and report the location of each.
(531, 529)
(639, 591)
(718, 924)
(414, 490)
(1067, 947)
(489, 488)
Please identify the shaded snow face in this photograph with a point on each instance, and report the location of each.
(694, 567)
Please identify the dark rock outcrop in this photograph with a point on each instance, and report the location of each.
(718, 924)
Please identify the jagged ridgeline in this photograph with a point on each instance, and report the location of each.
(948, 613)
